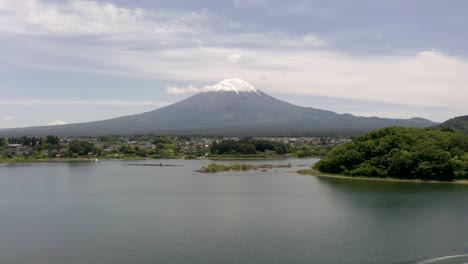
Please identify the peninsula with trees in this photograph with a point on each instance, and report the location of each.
(401, 153)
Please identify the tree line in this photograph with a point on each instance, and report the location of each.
(30, 141)
(246, 147)
(405, 153)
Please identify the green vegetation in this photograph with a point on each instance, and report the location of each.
(306, 150)
(250, 148)
(52, 148)
(3, 142)
(217, 167)
(246, 157)
(81, 148)
(30, 149)
(246, 146)
(401, 153)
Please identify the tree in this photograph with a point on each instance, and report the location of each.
(52, 140)
(82, 147)
(3, 142)
(410, 153)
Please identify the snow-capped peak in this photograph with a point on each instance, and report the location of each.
(236, 85)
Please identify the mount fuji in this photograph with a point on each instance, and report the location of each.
(232, 107)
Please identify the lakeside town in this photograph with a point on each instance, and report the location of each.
(152, 146)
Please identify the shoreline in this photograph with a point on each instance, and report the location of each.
(316, 173)
(92, 159)
(56, 160)
(273, 157)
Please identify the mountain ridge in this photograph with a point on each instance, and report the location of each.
(225, 110)
(459, 123)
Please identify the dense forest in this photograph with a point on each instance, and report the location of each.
(250, 146)
(246, 146)
(406, 153)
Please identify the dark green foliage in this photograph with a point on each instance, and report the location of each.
(162, 140)
(281, 149)
(246, 146)
(129, 150)
(409, 153)
(53, 140)
(50, 142)
(231, 147)
(141, 152)
(82, 147)
(308, 151)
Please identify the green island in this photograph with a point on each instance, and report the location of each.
(218, 167)
(400, 153)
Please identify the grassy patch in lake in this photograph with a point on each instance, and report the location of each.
(247, 157)
(219, 167)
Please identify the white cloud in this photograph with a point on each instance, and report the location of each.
(103, 20)
(182, 90)
(179, 48)
(427, 78)
(111, 24)
(57, 123)
(313, 41)
(189, 89)
(280, 8)
(249, 3)
(8, 118)
(123, 103)
(234, 58)
(267, 40)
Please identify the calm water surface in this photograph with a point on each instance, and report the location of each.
(109, 213)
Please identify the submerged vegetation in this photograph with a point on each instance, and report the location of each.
(218, 167)
(401, 153)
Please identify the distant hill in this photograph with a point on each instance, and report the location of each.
(459, 124)
(231, 108)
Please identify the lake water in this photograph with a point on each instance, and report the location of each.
(110, 213)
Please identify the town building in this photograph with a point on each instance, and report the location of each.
(16, 150)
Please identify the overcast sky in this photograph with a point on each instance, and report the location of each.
(72, 61)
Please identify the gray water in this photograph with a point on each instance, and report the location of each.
(109, 213)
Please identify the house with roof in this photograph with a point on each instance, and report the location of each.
(16, 150)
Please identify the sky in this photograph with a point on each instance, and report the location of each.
(69, 61)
